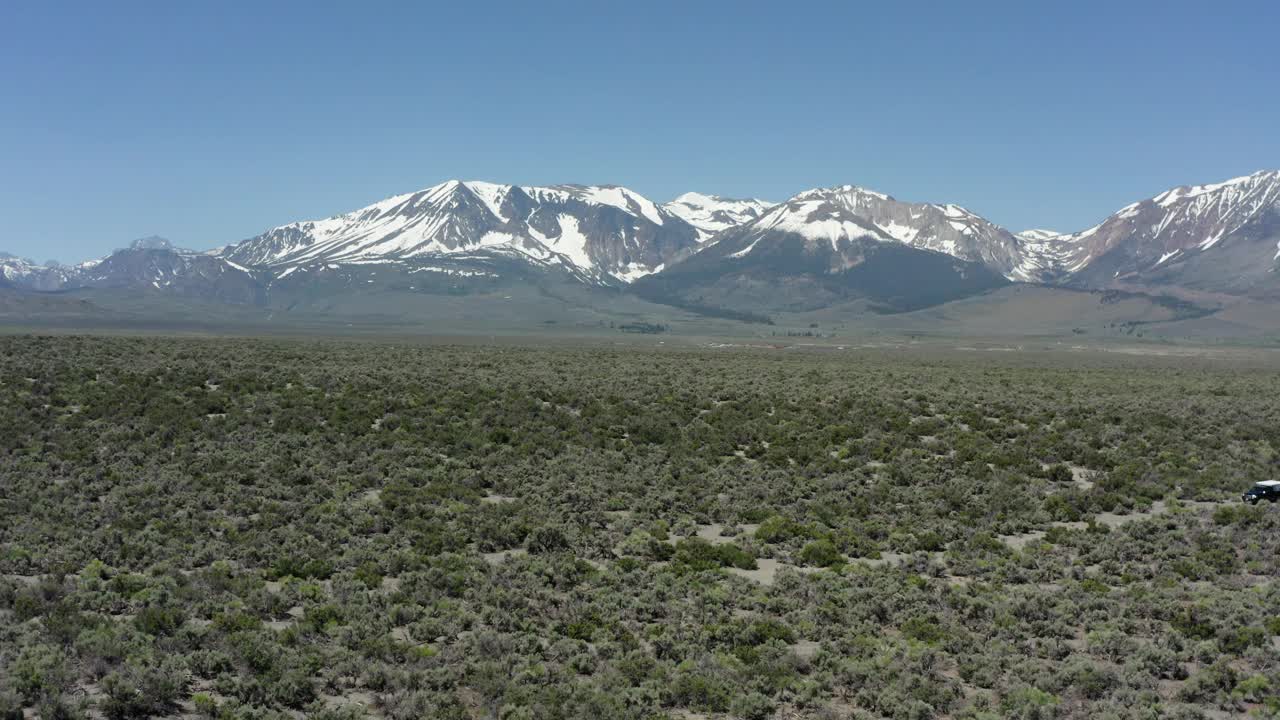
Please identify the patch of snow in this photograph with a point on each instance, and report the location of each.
(747, 250)
(1038, 234)
(1169, 197)
(834, 231)
(623, 199)
(460, 272)
(710, 214)
(847, 190)
(1211, 240)
(634, 271)
(899, 232)
(491, 194)
(1129, 211)
(571, 242)
(957, 212)
(810, 220)
(493, 239)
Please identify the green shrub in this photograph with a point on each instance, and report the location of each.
(930, 541)
(751, 706)
(10, 704)
(143, 691)
(293, 689)
(1238, 640)
(821, 553)
(769, 629)
(700, 691)
(1028, 703)
(925, 629)
(205, 705)
(547, 540)
(62, 707)
(1059, 474)
(370, 575)
(40, 671)
(159, 621)
(778, 529)
(1253, 688)
(696, 555)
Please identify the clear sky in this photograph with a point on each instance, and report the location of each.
(211, 122)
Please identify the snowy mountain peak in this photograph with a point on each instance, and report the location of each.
(1037, 234)
(491, 194)
(151, 242)
(614, 196)
(818, 217)
(1237, 186)
(845, 191)
(711, 214)
(695, 199)
(605, 232)
(850, 212)
(1215, 236)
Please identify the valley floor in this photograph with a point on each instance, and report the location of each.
(1018, 315)
(693, 526)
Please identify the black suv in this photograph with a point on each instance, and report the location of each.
(1265, 490)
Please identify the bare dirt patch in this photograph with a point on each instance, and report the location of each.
(1116, 520)
(714, 533)
(497, 558)
(805, 649)
(767, 570)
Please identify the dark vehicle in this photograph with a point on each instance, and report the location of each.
(1265, 490)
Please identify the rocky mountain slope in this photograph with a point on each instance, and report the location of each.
(21, 272)
(605, 234)
(1220, 238)
(849, 212)
(836, 244)
(150, 263)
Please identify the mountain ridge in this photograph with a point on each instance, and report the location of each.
(1221, 236)
(1216, 238)
(605, 232)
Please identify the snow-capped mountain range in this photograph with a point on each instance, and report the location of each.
(1219, 237)
(601, 233)
(150, 263)
(27, 273)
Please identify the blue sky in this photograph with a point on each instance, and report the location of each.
(210, 122)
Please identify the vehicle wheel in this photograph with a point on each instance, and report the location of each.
(1253, 502)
